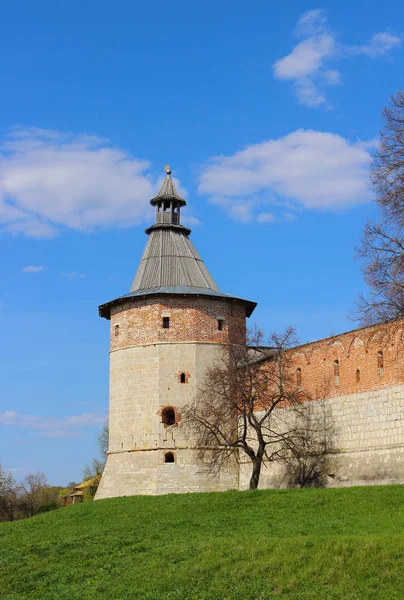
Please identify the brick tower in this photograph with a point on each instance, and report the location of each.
(164, 335)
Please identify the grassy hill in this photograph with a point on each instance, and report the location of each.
(295, 544)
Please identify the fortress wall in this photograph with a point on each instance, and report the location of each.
(364, 400)
(364, 397)
(368, 359)
(368, 438)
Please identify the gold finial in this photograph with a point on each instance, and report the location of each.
(167, 169)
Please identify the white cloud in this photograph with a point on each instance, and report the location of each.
(380, 44)
(53, 426)
(306, 58)
(86, 419)
(73, 275)
(312, 22)
(305, 169)
(32, 269)
(308, 65)
(50, 180)
(237, 208)
(189, 220)
(266, 217)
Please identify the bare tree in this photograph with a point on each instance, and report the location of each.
(246, 405)
(96, 468)
(33, 493)
(103, 441)
(382, 244)
(8, 496)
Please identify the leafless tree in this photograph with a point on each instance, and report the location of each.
(8, 496)
(246, 405)
(33, 493)
(382, 244)
(103, 441)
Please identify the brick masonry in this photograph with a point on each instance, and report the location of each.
(191, 318)
(359, 373)
(360, 376)
(146, 362)
(367, 359)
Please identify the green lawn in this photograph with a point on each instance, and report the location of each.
(295, 544)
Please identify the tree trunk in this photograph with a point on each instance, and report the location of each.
(255, 477)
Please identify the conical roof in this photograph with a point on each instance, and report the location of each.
(168, 191)
(170, 264)
(169, 260)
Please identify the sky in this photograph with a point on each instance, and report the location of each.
(268, 114)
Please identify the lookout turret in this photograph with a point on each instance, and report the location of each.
(168, 203)
(165, 334)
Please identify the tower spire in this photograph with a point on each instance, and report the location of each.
(170, 264)
(168, 202)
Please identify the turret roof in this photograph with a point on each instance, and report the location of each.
(170, 259)
(168, 190)
(170, 264)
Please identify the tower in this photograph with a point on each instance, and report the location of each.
(164, 335)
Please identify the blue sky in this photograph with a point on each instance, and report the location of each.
(267, 113)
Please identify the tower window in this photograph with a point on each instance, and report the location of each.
(166, 322)
(169, 457)
(336, 372)
(380, 363)
(220, 323)
(116, 330)
(357, 376)
(168, 416)
(298, 377)
(182, 378)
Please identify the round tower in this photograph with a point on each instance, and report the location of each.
(164, 335)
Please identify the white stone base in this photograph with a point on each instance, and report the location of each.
(145, 473)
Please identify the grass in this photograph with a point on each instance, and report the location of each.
(295, 544)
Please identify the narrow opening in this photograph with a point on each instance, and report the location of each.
(182, 378)
(169, 457)
(168, 416)
(336, 372)
(166, 322)
(357, 376)
(220, 324)
(298, 377)
(116, 330)
(380, 363)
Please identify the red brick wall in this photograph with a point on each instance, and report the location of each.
(355, 351)
(191, 319)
